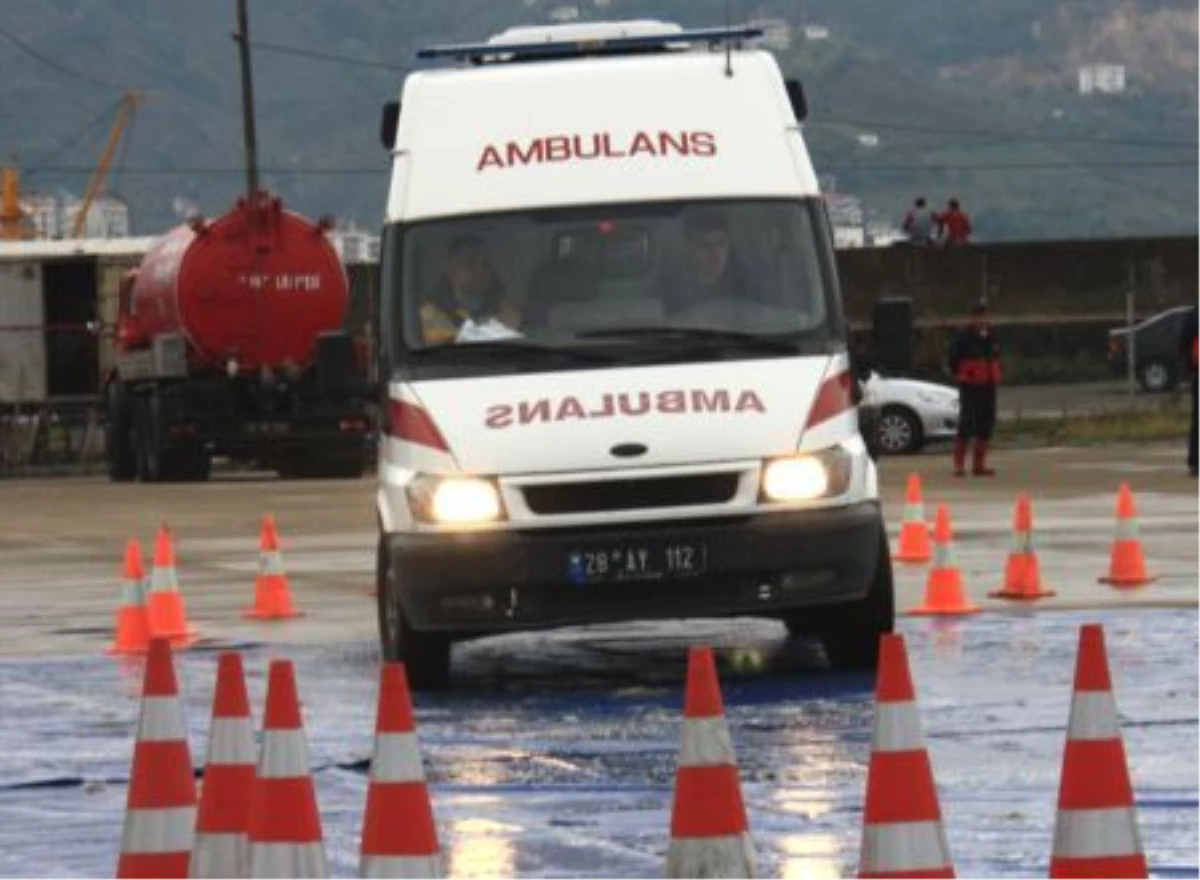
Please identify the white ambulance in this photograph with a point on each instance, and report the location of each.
(616, 381)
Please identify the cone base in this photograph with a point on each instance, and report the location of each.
(1006, 593)
(126, 651)
(189, 636)
(1126, 583)
(930, 611)
(912, 558)
(257, 614)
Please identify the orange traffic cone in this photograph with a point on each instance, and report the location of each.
(1022, 573)
(944, 591)
(902, 834)
(1127, 567)
(160, 814)
(165, 608)
(221, 848)
(709, 833)
(1095, 832)
(285, 827)
(399, 837)
(914, 531)
(272, 596)
(133, 625)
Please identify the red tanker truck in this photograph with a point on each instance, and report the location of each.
(230, 342)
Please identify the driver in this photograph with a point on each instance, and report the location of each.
(712, 271)
(470, 290)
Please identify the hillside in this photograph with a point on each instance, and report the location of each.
(980, 100)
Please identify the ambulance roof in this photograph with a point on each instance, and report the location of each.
(635, 128)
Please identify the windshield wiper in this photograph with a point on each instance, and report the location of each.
(514, 346)
(704, 334)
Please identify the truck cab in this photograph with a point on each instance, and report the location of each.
(616, 383)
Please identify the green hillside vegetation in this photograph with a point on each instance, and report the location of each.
(973, 99)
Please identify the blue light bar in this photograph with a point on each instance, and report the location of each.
(572, 48)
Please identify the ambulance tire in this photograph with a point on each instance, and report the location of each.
(426, 656)
(851, 635)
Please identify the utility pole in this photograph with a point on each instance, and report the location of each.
(242, 38)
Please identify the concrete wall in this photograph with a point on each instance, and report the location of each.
(1024, 282)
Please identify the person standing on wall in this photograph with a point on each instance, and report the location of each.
(920, 223)
(975, 365)
(954, 225)
(1189, 353)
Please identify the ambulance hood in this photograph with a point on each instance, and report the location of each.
(572, 421)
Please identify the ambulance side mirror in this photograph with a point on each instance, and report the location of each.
(795, 93)
(388, 123)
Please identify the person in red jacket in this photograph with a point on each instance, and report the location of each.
(954, 225)
(975, 364)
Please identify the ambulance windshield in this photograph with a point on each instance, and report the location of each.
(675, 279)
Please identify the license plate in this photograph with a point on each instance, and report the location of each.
(623, 563)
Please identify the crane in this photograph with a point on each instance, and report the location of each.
(13, 225)
(125, 108)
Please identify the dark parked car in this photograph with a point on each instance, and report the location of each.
(1155, 349)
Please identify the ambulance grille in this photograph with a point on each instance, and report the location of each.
(597, 497)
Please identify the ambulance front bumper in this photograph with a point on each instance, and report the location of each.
(768, 564)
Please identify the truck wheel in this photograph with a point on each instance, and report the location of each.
(118, 435)
(147, 442)
(426, 657)
(851, 635)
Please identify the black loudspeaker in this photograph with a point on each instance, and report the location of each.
(892, 335)
(335, 364)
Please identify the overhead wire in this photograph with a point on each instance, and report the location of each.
(71, 140)
(54, 65)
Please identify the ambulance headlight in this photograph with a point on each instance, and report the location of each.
(807, 476)
(461, 501)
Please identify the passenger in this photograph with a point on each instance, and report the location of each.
(469, 290)
(713, 272)
(975, 364)
(1189, 352)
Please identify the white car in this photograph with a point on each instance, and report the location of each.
(911, 413)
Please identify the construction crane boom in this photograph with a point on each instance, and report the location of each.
(12, 218)
(95, 186)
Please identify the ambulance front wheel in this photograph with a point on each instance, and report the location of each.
(426, 656)
(850, 632)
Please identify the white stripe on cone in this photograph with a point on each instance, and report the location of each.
(401, 866)
(1085, 834)
(706, 743)
(231, 741)
(897, 728)
(162, 720)
(284, 755)
(1093, 716)
(270, 562)
(163, 578)
(904, 846)
(220, 855)
(728, 856)
(287, 860)
(160, 830)
(397, 758)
